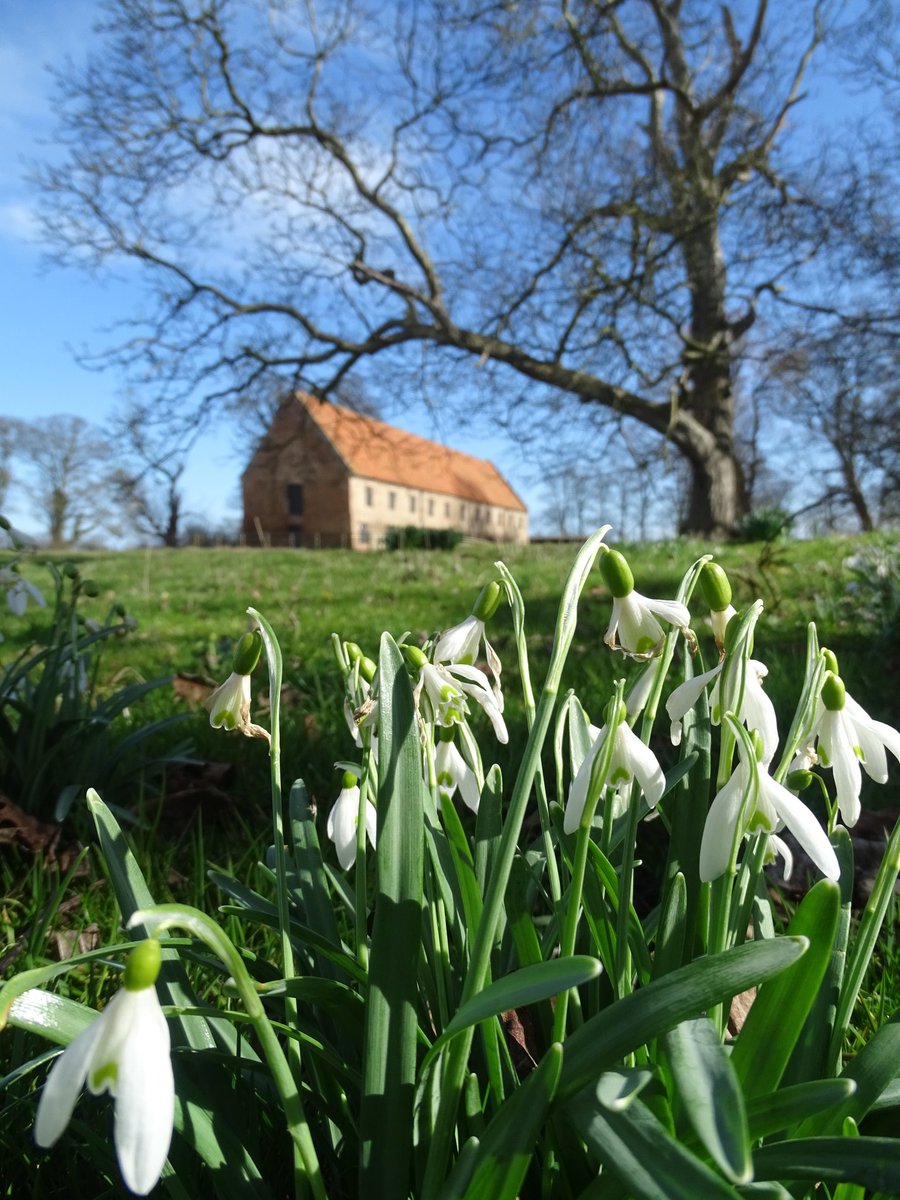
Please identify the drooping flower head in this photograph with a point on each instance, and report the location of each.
(229, 704)
(846, 739)
(460, 645)
(124, 1051)
(343, 821)
(19, 591)
(634, 628)
(753, 801)
(453, 772)
(630, 760)
(755, 710)
(441, 690)
(736, 685)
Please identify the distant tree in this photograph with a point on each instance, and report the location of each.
(148, 484)
(842, 391)
(589, 200)
(8, 435)
(66, 471)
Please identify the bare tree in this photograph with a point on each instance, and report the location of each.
(594, 199)
(155, 452)
(841, 390)
(8, 436)
(67, 466)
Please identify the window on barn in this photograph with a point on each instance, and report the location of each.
(364, 538)
(412, 504)
(431, 508)
(370, 496)
(446, 508)
(295, 499)
(392, 499)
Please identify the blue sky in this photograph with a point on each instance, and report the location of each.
(52, 314)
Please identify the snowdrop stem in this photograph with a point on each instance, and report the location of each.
(273, 659)
(290, 1096)
(626, 889)
(359, 876)
(596, 788)
(806, 705)
(745, 892)
(517, 608)
(572, 914)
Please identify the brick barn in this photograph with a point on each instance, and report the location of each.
(325, 476)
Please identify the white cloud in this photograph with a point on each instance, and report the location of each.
(18, 221)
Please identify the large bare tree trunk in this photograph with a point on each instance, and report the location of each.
(717, 499)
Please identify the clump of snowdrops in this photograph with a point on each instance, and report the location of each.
(462, 1000)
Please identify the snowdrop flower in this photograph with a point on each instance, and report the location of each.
(848, 738)
(461, 644)
(756, 709)
(229, 705)
(343, 821)
(631, 759)
(125, 1052)
(454, 772)
(18, 591)
(634, 627)
(444, 690)
(752, 800)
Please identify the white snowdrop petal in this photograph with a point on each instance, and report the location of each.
(719, 830)
(804, 826)
(64, 1083)
(146, 1095)
(643, 764)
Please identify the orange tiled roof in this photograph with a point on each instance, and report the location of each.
(374, 450)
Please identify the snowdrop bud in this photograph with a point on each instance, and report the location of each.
(349, 780)
(488, 601)
(799, 781)
(70, 570)
(414, 656)
(715, 586)
(834, 694)
(831, 662)
(616, 574)
(615, 712)
(90, 588)
(246, 656)
(142, 966)
(352, 651)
